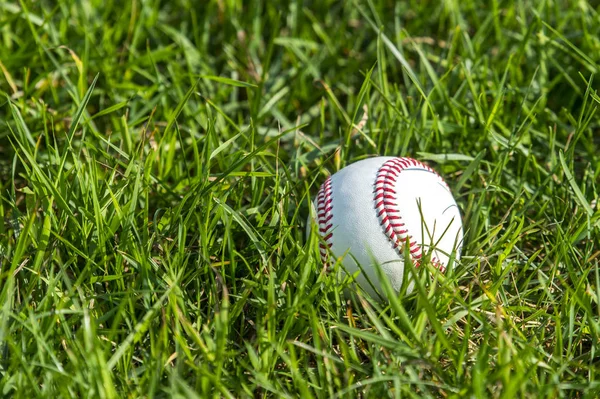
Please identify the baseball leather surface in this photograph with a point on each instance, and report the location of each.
(375, 209)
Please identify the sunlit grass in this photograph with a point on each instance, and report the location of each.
(157, 161)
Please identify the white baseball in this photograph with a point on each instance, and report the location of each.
(371, 210)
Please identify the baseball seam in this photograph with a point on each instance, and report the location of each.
(324, 220)
(388, 213)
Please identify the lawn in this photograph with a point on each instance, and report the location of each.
(157, 164)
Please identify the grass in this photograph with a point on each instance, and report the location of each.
(157, 161)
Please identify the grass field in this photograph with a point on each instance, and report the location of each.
(157, 161)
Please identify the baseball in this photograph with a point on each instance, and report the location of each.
(379, 209)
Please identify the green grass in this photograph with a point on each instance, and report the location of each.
(157, 161)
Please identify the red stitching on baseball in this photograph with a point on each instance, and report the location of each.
(387, 212)
(324, 216)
